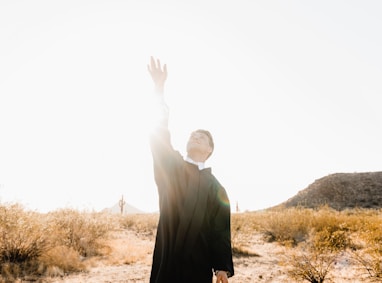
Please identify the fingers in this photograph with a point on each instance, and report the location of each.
(152, 63)
(220, 278)
(156, 66)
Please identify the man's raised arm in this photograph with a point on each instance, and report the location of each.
(159, 110)
(158, 75)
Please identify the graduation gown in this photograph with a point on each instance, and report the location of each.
(193, 236)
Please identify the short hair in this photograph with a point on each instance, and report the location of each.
(210, 139)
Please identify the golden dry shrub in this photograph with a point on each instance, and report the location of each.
(339, 230)
(22, 235)
(287, 226)
(330, 230)
(310, 265)
(60, 260)
(143, 224)
(331, 240)
(247, 222)
(369, 254)
(370, 262)
(9, 272)
(81, 231)
(23, 238)
(371, 231)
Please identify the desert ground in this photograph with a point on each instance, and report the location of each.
(130, 259)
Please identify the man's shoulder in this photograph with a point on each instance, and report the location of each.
(214, 181)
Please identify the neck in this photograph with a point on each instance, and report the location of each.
(199, 164)
(197, 158)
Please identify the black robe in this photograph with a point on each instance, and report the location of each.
(193, 236)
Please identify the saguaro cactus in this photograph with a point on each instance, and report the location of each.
(122, 204)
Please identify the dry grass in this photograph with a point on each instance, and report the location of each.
(36, 245)
(142, 224)
(125, 247)
(316, 238)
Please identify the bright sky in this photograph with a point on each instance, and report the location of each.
(291, 91)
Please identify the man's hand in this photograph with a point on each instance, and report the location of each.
(221, 277)
(158, 75)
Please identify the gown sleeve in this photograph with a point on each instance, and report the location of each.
(221, 234)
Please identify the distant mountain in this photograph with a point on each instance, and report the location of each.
(341, 191)
(127, 209)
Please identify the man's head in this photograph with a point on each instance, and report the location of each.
(200, 145)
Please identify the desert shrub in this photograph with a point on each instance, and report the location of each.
(330, 230)
(23, 238)
(370, 260)
(355, 218)
(330, 240)
(370, 255)
(142, 224)
(287, 226)
(314, 257)
(310, 265)
(247, 222)
(60, 260)
(327, 218)
(80, 231)
(371, 232)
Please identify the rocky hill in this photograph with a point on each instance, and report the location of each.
(341, 191)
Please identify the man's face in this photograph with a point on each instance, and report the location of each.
(198, 143)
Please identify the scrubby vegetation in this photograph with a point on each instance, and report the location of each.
(142, 224)
(35, 245)
(318, 237)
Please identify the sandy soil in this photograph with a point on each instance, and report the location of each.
(268, 266)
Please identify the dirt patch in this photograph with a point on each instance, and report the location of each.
(129, 260)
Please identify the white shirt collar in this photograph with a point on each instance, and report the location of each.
(200, 165)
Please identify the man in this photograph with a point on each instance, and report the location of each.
(193, 239)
